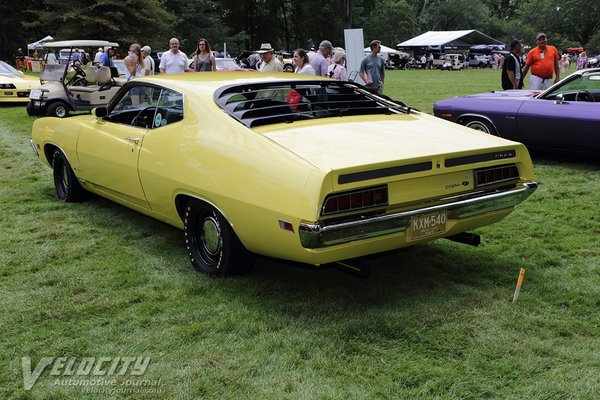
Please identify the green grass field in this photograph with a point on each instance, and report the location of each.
(431, 322)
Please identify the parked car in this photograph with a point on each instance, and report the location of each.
(592, 62)
(297, 167)
(58, 95)
(565, 117)
(478, 61)
(15, 85)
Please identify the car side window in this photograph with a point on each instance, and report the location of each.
(136, 107)
(169, 108)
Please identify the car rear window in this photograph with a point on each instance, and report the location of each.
(276, 102)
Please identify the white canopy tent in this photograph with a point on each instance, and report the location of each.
(448, 40)
(39, 44)
(386, 52)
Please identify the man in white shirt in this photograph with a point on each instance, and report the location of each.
(98, 55)
(173, 61)
(148, 61)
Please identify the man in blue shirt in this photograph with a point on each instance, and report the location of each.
(106, 58)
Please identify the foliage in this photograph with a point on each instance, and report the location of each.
(289, 24)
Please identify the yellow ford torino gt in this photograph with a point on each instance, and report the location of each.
(14, 85)
(299, 168)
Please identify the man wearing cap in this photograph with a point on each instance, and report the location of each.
(173, 61)
(511, 67)
(543, 61)
(372, 69)
(269, 62)
(148, 61)
(319, 60)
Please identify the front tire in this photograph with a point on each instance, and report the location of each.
(212, 245)
(480, 125)
(58, 109)
(30, 109)
(66, 184)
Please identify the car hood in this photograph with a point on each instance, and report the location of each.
(331, 146)
(12, 78)
(512, 94)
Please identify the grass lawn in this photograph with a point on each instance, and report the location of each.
(431, 322)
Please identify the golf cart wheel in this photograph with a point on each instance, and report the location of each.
(58, 109)
(30, 109)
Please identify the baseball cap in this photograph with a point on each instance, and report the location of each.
(539, 35)
(326, 44)
(147, 48)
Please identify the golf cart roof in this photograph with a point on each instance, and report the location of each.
(80, 43)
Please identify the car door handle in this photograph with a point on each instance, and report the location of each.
(134, 140)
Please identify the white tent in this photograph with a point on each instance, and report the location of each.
(39, 44)
(454, 40)
(386, 52)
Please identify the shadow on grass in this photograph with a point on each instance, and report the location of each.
(434, 272)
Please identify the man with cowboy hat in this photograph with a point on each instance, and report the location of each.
(269, 62)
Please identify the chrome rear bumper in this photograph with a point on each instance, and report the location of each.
(318, 235)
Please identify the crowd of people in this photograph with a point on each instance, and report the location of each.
(544, 62)
(325, 61)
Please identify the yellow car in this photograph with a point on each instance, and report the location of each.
(298, 168)
(14, 85)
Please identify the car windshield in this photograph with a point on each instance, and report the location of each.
(7, 69)
(589, 82)
(270, 103)
(226, 64)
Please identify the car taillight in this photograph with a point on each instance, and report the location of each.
(355, 200)
(494, 175)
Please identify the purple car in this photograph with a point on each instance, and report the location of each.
(565, 117)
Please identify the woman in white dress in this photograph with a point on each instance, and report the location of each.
(302, 64)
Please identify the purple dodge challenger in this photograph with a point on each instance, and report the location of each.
(565, 117)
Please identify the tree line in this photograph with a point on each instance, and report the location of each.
(290, 24)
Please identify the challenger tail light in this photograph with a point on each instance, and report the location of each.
(494, 175)
(355, 200)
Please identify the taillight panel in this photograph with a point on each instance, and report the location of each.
(355, 200)
(496, 175)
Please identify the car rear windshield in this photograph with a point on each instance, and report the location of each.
(275, 102)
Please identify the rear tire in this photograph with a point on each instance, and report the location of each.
(66, 184)
(58, 109)
(212, 245)
(480, 125)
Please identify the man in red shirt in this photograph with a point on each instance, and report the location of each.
(543, 61)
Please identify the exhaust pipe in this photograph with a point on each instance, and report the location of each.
(466, 238)
(354, 266)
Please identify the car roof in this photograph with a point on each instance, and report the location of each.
(81, 43)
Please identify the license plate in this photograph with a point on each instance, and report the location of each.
(422, 226)
(35, 94)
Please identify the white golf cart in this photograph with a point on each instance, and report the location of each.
(69, 86)
(454, 62)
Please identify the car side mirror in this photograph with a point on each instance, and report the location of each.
(559, 98)
(100, 112)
